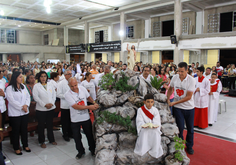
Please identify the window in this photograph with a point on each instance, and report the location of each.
(156, 32)
(185, 26)
(234, 19)
(7, 36)
(213, 23)
(45, 39)
(130, 32)
(99, 36)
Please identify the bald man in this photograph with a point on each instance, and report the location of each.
(77, 98)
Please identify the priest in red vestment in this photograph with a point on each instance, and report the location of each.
(201, 99)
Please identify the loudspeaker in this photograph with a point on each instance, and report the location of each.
(232, 92)
(173, 39)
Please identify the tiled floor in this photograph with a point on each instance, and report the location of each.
(64, 153)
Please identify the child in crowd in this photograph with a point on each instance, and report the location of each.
(148, 124)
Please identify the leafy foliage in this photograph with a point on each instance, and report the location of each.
(157, 83)
(107, 81)
(179, 145)
(113, 118)
(122, 84)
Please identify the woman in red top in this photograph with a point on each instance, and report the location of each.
(162, 74)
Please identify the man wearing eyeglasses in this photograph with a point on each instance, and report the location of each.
(65, 109)
(146, 74)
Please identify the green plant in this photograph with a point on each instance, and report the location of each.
(107, 81)
(122, 84)
(179, 145)
(156, 83)
(113, 118)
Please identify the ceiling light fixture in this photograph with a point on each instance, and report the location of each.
(48, 10)
(47, 3)
(19, 25)
(1, 12)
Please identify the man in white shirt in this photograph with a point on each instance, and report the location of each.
(207, 73)
(183, 86)
(77, 98)
(62, 88)
(124, 67)
(192, 66)
(146, 74)
(219, 69)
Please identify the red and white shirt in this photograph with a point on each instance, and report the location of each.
(181, 88)
(219, 69)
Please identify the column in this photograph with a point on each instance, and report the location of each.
(110, 33)
(4, 58)
(178, 54)
(147, 28)
(199, 22)
(122, 33)
(67, 55)
(86, 40)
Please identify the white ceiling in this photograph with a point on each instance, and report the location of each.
(63, 11)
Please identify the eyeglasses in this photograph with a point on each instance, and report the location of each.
(69, 74)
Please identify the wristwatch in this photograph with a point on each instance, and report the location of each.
(1, 129)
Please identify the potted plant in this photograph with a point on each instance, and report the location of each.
(177, 158)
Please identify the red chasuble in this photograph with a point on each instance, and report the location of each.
(147, 113)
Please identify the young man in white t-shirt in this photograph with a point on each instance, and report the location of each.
(77, 98)
(183, 86)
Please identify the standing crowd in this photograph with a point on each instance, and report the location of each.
(192, 92)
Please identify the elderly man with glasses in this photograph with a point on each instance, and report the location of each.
(65, 108)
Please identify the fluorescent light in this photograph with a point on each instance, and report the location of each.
(47, 3)
(1, 12)
(48, 10)
(19, 25)
(121, 33)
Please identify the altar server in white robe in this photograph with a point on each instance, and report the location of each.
(201, 99)
(216, 88)
(148, 124)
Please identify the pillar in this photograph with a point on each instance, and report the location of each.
(4, 58)
(110, 33)
(147, 28)
(178, 54)
(67, 56)
(86, 40)
(122, 36)
(199, 22)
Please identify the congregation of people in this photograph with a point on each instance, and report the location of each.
(192, 93)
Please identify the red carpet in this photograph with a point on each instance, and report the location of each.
(212, 151)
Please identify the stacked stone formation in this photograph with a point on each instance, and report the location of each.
(114, 145)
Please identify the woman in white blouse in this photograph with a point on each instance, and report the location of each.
(18, 102)
(44, 95)
(90, 85)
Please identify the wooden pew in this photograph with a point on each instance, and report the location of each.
(33, 124)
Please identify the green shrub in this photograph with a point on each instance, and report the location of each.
(113, 118)
(122, 84)
(107, 81)
(157, 83)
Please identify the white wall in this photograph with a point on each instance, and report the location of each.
(29, 37)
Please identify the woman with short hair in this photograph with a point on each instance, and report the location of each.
(45, 96)
(18, 103)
